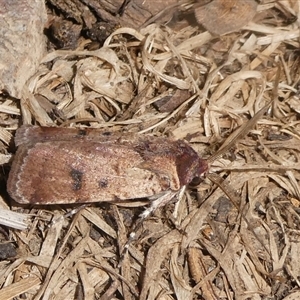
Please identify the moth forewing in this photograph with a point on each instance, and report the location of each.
(68, 165)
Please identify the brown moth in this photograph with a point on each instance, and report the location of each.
(69, 165)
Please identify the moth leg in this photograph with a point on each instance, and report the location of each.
(70, 213)
(158, 202)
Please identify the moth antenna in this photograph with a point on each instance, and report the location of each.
(239, 133)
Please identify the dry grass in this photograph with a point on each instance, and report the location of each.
(202, 245)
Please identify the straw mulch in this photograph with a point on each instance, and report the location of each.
(185, 83)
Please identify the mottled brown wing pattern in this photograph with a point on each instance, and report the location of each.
(84, 172)
(81, 166)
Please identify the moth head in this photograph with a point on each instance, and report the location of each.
(191, 167)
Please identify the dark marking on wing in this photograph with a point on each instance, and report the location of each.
(77, 179)
(103, 183)
(81, 133)
(107, 133)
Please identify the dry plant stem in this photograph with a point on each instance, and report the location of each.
(20, 287)
(199, 273)
(108, 295)
(101, 124)
(53, 265)
(275, 90)
(136, 102)
(208, 278)
(119, 277)
(187, 73)
(216, 179)
(121, 227)
(13, 219)
(170, 115)
(222, 258)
